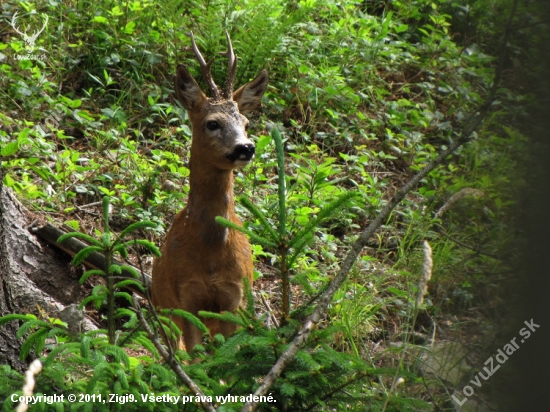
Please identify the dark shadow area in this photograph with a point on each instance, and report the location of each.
(525, 376)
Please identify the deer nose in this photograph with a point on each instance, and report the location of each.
(244, 151)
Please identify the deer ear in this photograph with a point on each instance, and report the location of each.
(188, 91)
(249, 96)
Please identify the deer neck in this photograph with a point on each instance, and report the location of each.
(210, 195)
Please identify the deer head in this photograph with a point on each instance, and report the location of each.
(219, 127)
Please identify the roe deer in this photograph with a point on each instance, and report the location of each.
(203, 264)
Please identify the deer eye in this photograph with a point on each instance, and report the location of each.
(212, 125)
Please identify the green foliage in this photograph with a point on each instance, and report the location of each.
(288, 241)
(109, 248)
(361, 95)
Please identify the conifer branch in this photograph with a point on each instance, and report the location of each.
(171, 360)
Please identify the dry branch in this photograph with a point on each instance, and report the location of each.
(72, 246)
(170, 359)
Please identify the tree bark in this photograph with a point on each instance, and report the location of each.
(34, 277)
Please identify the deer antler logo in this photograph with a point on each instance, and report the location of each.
(30, 41)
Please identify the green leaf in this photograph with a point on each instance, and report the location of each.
(121, 249)
(124, 295)
(132, 321)
(150, 246)
(9, 180)
(99, 19)
(287, 389)
(262, 142)
(118, 353)
(298, 247)
(224, 317)
(323, 214)
(106, 209)
(121, 376)
(73, 347)
(249, 297)
(106, 240)
(73, 224)
(130, 27)
(10, 149)
(398, 292)
(115, 269)
(31, 324)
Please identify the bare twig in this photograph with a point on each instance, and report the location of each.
(441, 231)
(357, 377)
(171, 360)
(467, 191)
(270, 316)
(156, 319)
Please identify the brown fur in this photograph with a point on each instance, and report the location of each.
(203, 264)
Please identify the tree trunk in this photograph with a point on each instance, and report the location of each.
(34, 277)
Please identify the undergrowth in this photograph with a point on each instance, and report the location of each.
(363, 95)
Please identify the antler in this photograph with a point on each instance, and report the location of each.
(35, 35)
(205, 68)
(232, 67)
(14, 17)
